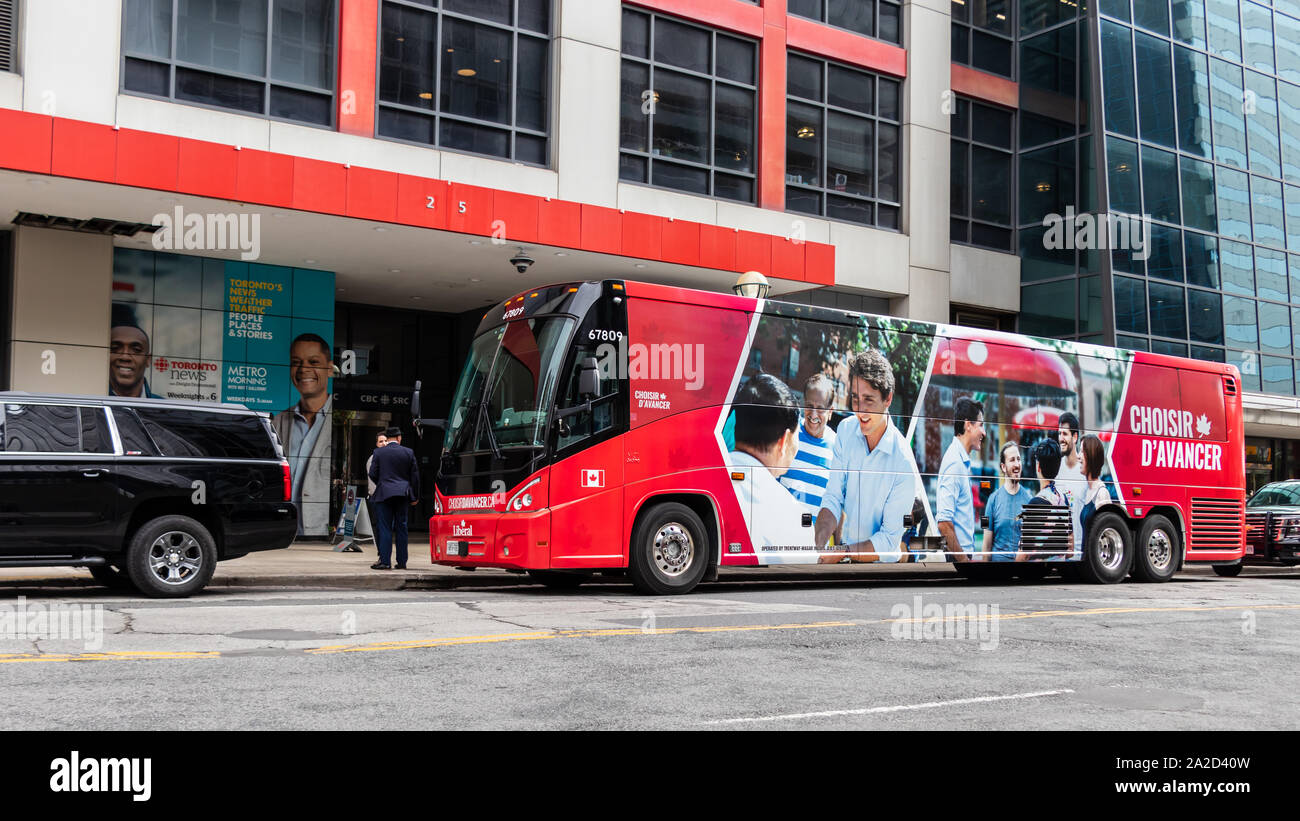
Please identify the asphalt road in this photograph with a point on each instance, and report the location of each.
(1201, 652)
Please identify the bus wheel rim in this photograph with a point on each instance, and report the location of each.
(1110, 548)
(1160, 549)
(673, 549)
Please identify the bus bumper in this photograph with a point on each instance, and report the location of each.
(518, 541)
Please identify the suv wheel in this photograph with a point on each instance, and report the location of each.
(111, 577)
(670, 551)
(171, 557)
(1108, 550)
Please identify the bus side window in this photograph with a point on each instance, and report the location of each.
(600, 418)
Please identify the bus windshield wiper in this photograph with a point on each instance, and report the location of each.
(486, 422)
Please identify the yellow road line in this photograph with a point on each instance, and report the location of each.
(498, 638)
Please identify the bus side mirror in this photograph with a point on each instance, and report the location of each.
(415, 403)
(589, 377)
(421, 424)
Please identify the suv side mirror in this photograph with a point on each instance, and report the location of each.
(589, 377)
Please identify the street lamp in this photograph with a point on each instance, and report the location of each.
(751, 283)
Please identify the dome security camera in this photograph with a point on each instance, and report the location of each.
(521, 261)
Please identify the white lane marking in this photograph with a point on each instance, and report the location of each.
(891, 709)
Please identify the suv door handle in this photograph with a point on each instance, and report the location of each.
(92, 474)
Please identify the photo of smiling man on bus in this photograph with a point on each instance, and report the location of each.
(872, 482)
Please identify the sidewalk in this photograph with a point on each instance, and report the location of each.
(313, 564)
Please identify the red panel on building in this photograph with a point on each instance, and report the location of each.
(788, 258)
(602, 229)
(559, 222)
(27, 139)
(643, 236)
(264, 178)
(754, 253)
(819, 263)
(981, 85)
(207, 169)
(421, 201)
(845, 46)
(319, 186)
(358, 56)
(717, 247)
(84, 150)
(514, 216)
(147, 160)
(681, 242)
(372, 194)
(469, 209)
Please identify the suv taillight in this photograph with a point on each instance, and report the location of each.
(288, 480)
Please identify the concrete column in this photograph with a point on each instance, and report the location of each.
(70, 57)
(585, 59)
(60, 309)
(927, 26)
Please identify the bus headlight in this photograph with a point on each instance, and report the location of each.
(522, 503)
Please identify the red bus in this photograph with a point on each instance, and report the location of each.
(668, 432)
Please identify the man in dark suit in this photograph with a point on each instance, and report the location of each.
(396, 475)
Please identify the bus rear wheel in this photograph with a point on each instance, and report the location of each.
(1108, 550)
(1156, 557)
(669, 553)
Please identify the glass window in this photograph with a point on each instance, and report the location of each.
(201, 433)
(1117, 77)
(1257, 34)
(982, 36)
(1046, 182)
(1295, 329)
(1274, 328)
(1201, 256)
(135, 442)
(1132, 343)
(1248, 363)
(1192, 87)
(1168, 313)
(1198, 194)
(981, 175)
(273, 58)
(1048, 309)
(1229, 121)
(466, 78)
(1160, 189)
(1205, 316)
(1116, 8)
(1266, 201)
(30, 428)
(1155, 89)
(1260, 106)
(1189, 22)
(1152, 14)
(695, 103)
(1166, 256)
(1090, 305)
(842, 154)
(1130, 305)
(1207, 354)
(1237, 266)
(1168, 348)
(1277, 375)
(1239, 322)
(1270, 274)
(1122, 167)
(1289, 117)
(1286, 33)
(1233, 202)
(1224, 34)
(874, 18)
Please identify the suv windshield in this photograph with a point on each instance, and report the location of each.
(1282, 493)
(506, 388)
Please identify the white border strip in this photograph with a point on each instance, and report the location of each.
(893, 709)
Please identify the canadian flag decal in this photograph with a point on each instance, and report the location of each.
(593, 478)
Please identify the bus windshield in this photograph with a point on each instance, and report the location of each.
(506, 388)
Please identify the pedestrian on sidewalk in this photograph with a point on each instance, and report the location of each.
(380, 441)
(396, 475)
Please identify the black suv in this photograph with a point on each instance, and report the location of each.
(1272, 528)
(142, 491)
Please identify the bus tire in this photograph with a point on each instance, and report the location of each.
(557, 579)
(670, 550)
(1108, 550)
(1228, 570)
(1155, 556)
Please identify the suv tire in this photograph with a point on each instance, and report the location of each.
(670, 550)
(171, 557)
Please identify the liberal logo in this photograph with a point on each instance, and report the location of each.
(593, 478)
(462, 529)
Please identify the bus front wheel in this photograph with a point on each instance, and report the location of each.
(1156, 556)
(1108, 550)
(669, 552)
